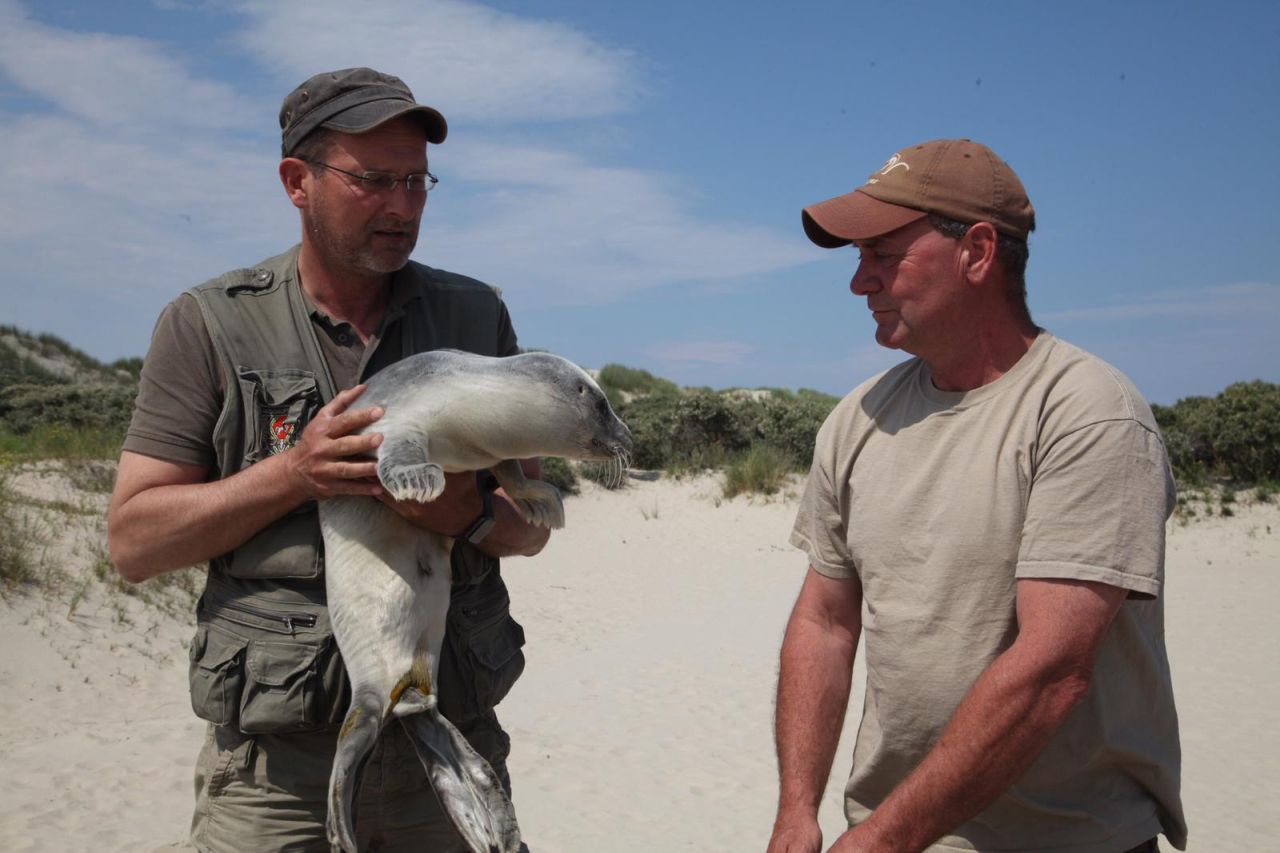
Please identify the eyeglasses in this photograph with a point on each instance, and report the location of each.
(417, 182)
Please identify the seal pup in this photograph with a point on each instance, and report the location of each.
(388, 582)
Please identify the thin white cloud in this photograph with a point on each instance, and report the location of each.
(580, 232)
(111, 81)
(472, 62)
(133, 178)
(683, 353)
(1223, 300)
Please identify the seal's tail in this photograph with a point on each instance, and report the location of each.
(468, 789)
(359, 734)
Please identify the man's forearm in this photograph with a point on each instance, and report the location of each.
(813, 694)
(512, 536)
(171, 526)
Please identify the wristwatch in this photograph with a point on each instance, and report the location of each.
(480, 528)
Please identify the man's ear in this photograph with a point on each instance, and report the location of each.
(979, 248)
(295, 176)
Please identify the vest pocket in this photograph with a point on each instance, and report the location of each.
(277, 406)
(265, 671)
(216, 675)
(289, 548)
(281, 687)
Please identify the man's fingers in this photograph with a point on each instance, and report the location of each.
(348, 422)
(353, 445)
(342, 399)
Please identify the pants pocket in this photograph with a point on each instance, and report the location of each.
(482, 656)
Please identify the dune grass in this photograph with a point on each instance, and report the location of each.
(761, 470)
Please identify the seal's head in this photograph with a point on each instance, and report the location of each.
(589, 422)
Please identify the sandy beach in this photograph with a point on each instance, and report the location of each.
(643, 720)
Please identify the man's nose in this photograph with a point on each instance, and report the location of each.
(403, 202)
(863, 281)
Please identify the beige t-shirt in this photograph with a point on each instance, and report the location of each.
(937, 502)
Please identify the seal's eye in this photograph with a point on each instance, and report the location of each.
(582, 389)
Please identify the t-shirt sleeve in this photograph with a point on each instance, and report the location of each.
(507, 342)
(181, 391)
(1097, 508)
(822, 521)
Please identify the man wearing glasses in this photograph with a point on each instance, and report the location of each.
(241, 425)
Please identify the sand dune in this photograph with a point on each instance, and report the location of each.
(643, 720)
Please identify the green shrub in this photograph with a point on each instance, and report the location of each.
(1245, 433)
(634, 381)
(1235, 435)
(761, 470)
(790, 426)
(697, 429)
(558, 472)
(24, 408)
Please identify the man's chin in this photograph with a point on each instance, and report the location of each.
(385, 263)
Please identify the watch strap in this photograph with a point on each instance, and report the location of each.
(484, 523)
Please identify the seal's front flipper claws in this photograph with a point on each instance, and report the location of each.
(406, 471)
(468, 789)
(413, 482)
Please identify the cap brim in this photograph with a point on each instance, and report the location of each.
(365, 117)
(854, 216)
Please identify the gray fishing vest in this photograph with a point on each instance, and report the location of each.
(263, 658)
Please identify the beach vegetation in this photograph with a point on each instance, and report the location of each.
(23, 538)
(559, 472)
(1234, 436)
(761, 470)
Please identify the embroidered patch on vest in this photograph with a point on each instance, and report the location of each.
(281, 430)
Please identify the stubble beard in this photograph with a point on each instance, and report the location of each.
(355, 254)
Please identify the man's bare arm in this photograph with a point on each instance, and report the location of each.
(813, 693)
(164, 516)
(1006, 719)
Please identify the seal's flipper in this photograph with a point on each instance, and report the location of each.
(538, 502)
(407, 472)
(468, 789)
(356, 740)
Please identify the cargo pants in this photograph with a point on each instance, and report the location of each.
(270, 792)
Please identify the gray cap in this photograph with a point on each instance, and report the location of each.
(353, 100)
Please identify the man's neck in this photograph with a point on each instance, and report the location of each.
(358, 300)
(984, 358)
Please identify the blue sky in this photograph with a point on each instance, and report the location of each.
(632, 174)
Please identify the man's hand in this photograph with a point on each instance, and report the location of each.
(854, 840)
(796, 833)
(450, 513)
(328, 459)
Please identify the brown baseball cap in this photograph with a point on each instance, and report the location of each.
(353, 100)
(955, 178)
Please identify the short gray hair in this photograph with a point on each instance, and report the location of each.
(1012, 253)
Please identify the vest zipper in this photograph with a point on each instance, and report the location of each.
(289, 620)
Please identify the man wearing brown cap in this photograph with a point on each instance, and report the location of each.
(241, 425)
(989, 518)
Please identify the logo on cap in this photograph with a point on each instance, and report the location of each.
(889, 165)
